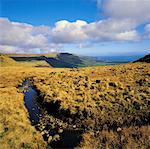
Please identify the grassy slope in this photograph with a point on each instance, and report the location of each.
(33, 55)
(59, 60)
(99, 96)
(15, 128)
(146, 58)
(103, 99)
(88, 62)
(5, 60)
(35, 64)
(97, 81)
(81, 61)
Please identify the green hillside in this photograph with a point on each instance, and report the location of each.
(60, 60)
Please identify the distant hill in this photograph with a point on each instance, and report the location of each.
(72, 59)
(6, 60)
(60, 60)
(146, 59)
(57, 60)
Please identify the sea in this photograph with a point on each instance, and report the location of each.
(119, 59)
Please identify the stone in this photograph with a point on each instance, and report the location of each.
(119, 129)
(74, 126)
(60, 130)
(42, 132)
(50, 139)
(56, 137)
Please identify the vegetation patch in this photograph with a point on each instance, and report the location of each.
(100, 98)
(109, 104)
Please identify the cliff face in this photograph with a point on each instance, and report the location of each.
(55, 62)
(62, 60)
(69, 58)
(146, 59)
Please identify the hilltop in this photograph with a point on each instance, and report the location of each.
(56, 60)
(59, 60)
(6, 60)
(146, 59)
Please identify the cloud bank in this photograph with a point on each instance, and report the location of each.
(122, 18)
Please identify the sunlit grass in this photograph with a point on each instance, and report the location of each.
(109, 101)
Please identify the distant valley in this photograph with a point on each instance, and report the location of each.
(67, 60)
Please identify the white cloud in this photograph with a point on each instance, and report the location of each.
(25, 37)
(147, 31)
(69, 32)
(123, 19)
(111, 30)
(104, 30)
(128, 36)
(14, 33)
(136, 10)
(44, 30)
(124, 16)
(14, 49)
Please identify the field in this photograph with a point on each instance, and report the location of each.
(110, 103)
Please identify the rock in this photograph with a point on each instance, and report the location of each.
(46, 132)
(122, 138)
(60, 130)
(105, 126)
(119, 129)
(56, 137)
(50, 139)
(42, 132)
(74, 126)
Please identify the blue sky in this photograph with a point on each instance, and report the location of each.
(104, 26)
(47, 12)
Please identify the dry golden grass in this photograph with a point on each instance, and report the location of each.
(98, 98)
(110, 102)
(6, 61)
(53, 54)
(15, 128)
(127, 138)
(35, 64)
(109, 87)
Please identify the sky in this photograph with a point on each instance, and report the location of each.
(83, 27)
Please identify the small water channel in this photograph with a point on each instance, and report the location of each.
(69, 138)
(30, 100)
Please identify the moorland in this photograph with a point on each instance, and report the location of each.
(110, 104)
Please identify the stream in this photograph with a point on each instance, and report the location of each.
(69, 138)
